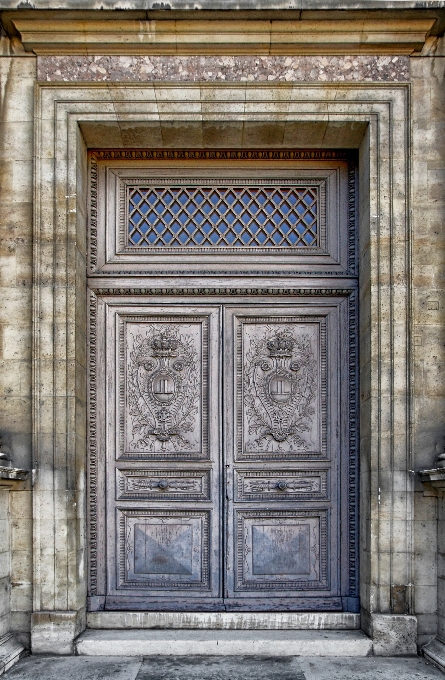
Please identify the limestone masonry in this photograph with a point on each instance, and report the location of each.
(103, 104)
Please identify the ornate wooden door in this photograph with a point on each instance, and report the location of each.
(222, 432)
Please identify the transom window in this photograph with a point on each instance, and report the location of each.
(264, 215)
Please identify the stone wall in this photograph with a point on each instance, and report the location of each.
(428, 249)
(415, 576)
(5, 561)
(17, 78)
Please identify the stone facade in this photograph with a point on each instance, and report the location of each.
(391, 107)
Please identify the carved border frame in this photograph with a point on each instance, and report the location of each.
(204, 454)
(59, 290)
(283, 155)
(240, 454)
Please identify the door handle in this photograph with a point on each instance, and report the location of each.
(281, 485)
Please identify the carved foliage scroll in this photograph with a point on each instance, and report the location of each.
(163, 388)
(281, 383)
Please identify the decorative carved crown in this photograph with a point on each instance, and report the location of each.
(164, 345)
(281, 345)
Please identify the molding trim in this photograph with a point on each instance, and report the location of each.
(236, 36)
(92, 445)
(222, 154)
(60, 110)
(288, 292)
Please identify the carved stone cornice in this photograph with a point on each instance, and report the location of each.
(11, 478)
(433, 481)
(146, 35)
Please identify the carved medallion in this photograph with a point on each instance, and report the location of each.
(163, 389)
(279, 384)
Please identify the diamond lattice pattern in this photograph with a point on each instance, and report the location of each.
(230, 216)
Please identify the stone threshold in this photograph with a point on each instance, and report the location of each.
(10, 652)
(225, 620)
(350, 643)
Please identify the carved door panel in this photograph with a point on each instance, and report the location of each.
(222, 391)
(286, 401)
(228, 493)
(158, 381)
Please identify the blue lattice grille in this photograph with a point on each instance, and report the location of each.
(227, 216)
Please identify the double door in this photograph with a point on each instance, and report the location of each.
(222, 459)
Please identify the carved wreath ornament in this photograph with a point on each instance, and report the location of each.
(163, 390)
(279, 389)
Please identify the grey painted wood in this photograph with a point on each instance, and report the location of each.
(222, 424)
(283, 399)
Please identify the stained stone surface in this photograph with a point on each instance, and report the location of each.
(221, 668)
(75, 668)
(268, 69)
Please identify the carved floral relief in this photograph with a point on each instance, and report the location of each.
(163, 389)
(279, 389)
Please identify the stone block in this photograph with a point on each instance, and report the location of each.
(53, 632)
(434, 651)
(5, 624)
(223, 642)
(394, 635)
(10, 652)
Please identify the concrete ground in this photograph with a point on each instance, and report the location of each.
(221, 668)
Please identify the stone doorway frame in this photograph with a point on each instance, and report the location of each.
(374, 118)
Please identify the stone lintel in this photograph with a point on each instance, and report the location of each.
(394, 635)
(54, 632)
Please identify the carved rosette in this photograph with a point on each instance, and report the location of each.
(163, 390)
(279, 390)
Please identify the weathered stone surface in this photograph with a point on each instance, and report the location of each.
(10, 652)
(224, 620)
(305, 5)
(76, 668)
(225, 668)
(223, 643)
(268, 69)
(434, 651)
(394, 635)
(54, 632)
(246, 100)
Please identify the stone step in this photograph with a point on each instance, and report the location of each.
(225, 620)
(223, 643)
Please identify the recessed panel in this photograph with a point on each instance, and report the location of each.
(282, 550)
(279, 485)
(163, 485)
(163, 549)
(235, 210)
(281, 390)
(163, 388)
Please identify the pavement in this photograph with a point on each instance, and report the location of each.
(221, 668)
